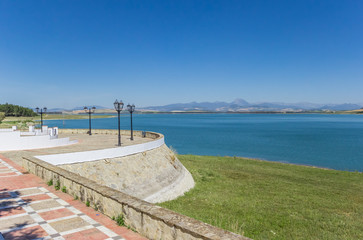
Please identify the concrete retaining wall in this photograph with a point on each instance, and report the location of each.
(149, 220)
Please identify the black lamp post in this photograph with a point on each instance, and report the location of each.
(131, 109)
(118, 107)
(42, 110)
(89, 111)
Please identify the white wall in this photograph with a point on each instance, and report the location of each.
(10, 141)
(6, 130)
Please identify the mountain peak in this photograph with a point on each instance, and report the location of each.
(240, 102)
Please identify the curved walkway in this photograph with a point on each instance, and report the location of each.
(29, 209)
(86, 156)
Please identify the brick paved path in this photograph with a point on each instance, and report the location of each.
(29, 209)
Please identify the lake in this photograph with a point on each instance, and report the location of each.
(323, 140)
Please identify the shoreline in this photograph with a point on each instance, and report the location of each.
(254, 112)
(94, 117)
(278, 162)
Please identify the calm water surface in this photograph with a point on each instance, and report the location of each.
(332, 141)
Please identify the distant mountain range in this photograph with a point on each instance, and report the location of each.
(241, 105)
(238, 105)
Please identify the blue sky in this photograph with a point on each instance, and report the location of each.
(74, 53)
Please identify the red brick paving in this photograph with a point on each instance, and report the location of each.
(4, 195)
(26, 233)
(27, 181)
(11, 211)
(89, 234)
(8, 174)
(55, 214)
(11, 163)
(20, 181)
(102, 219)
(35, 198)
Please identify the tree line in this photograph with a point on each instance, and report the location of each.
(16, 110)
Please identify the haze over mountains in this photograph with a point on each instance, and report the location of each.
(241, 105)
(238, 105)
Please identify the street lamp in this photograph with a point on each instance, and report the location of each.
(89, 111)
(118, 107)
(131, 109)
(42, 110)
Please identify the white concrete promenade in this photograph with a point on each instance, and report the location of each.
(15, 140)
(86, 156)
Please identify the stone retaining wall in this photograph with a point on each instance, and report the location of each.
(154, 176)
(152, 221)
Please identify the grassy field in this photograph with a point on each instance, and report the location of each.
(20, 122)
(268, 200)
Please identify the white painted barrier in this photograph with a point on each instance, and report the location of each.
(6, 130)
(31, 128)
(76, 157)
(12, 140)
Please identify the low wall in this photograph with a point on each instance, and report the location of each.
(152, 221)
(6, 130)
(152, 135)
(87, 156)
(12, 140)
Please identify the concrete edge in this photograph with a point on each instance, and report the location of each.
(137, 133)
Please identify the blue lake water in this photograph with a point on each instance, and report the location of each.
(331, 141)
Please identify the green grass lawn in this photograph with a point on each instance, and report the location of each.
(21, 122)
(269, 200)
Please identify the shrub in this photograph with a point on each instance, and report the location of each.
(120, 220)
(57, 186)
(16, 110)
(2, 116)
(50, 182)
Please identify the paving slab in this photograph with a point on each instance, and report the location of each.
(29, 209)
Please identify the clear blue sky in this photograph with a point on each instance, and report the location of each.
(74, 53)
